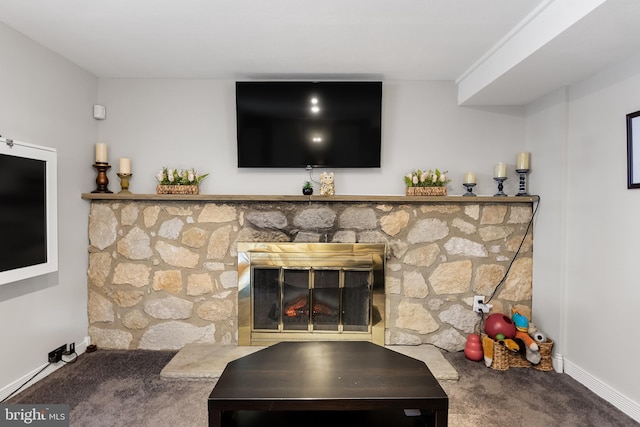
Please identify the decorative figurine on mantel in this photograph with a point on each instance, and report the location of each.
(327, 187)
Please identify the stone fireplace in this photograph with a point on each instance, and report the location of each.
(163, 270)
(310, 291)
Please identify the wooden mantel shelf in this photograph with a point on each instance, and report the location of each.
(301, 198)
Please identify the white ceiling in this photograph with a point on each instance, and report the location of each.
(321, 39)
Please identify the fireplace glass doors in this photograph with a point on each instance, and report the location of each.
(287, 299)
(294, 292)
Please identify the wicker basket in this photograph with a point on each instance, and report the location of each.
(503, 358)
(177, 189)
(546, 363)
(426, 191)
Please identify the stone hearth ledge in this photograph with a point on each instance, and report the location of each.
(198, 361)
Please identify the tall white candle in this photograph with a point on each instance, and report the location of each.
(523, 161)
(125, 165)
(500, 170)
(470, 178)
(101, 153)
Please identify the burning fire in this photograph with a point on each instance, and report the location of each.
(301, 306)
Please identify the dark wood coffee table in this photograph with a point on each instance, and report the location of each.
(303, 382)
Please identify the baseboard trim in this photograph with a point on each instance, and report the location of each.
(81, 347)
(558, 362)
(623, 403)
(12, 387)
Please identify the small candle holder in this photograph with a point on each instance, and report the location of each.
(522, 190)
(500, 181)
(101, 180)
(469, 186)
(124, 183)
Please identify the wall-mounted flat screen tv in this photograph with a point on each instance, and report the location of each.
(28, 213)
(298, 124)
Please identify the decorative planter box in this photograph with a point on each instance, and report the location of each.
(177, 189)
(426, 191)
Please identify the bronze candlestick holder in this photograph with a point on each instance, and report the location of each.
(124, 183)
(101, 180)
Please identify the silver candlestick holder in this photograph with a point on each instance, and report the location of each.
(500, 181)
(522, 188)
(469, 186)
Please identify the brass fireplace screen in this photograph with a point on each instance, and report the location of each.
(310, 291)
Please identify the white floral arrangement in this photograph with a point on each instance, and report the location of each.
(180, 177)
(430, 178)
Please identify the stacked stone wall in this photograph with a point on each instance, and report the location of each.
(163, 274)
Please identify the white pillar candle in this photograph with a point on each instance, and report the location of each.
(523, 161)
(125, 165)
(500, 170)
(101, 153)
(470, 178)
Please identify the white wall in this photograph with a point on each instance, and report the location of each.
(546, 138)
(191, 123)
(586, 283)
(46, 100)
(603, 285)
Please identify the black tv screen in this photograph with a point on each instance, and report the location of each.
(23, 218)
(300, 124)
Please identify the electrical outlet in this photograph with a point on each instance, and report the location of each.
(479, 306)
(56, 354)
(72, 349)
(477, 301)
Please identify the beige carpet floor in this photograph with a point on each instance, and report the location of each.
(209, 360)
